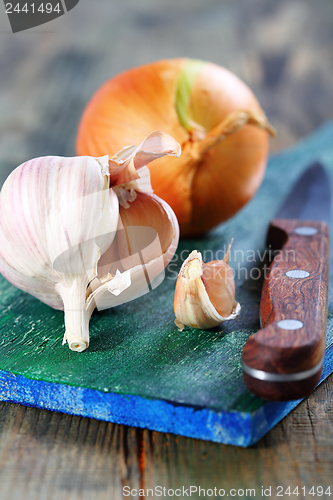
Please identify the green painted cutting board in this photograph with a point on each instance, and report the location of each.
(139, 369)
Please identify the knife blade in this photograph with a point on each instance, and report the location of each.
(283, 360)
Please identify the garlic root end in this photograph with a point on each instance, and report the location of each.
(77, 329)
(78, 345)
(77, 315)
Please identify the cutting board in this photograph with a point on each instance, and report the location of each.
(139, 369)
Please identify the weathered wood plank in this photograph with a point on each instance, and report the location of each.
(69, 457)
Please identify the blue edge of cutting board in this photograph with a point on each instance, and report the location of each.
(241, 429)
(229, 427)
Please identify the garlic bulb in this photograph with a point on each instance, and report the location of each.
(205, 293)
(80, 233)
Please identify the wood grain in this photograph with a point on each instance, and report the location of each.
(52, 456)
(279, 351)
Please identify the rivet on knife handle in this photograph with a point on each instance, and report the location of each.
(284, 360)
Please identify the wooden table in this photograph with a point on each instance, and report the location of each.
(283, 50)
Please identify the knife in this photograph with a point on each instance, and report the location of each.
(284, 360)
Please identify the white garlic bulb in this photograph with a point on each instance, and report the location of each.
(80, 233)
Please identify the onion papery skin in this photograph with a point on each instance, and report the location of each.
(207, 184)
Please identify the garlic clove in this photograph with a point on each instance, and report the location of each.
(146, 239)
(147, 228)
(199, 306)
(218, 278)
(147, 233)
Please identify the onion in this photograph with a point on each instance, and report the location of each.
(209, 111)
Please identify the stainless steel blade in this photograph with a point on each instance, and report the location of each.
(310, 198)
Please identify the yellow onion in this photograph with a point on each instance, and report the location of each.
(209, 111)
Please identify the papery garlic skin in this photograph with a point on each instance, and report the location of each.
(41, 204)
(59, 219)
(140, 209)
(146, 270)
(192, 303)
(56, 219)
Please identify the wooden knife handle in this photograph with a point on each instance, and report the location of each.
(284, 360)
